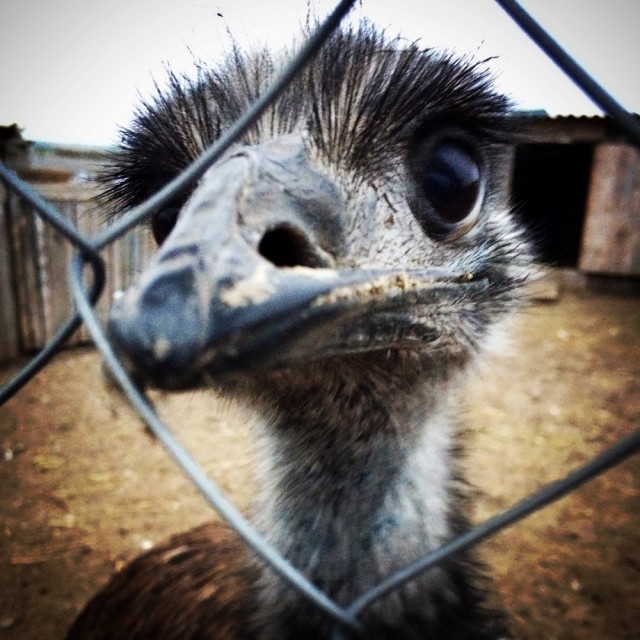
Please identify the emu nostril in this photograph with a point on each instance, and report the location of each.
(286, 246)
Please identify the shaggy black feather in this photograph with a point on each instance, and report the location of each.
(358, 115)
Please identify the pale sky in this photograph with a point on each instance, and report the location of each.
(71, 70)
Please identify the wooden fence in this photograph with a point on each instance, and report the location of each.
(34, 291)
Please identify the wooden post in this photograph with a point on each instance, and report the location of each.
(9, 335)
(611, 238)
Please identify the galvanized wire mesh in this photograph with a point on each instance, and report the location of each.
(88, 258)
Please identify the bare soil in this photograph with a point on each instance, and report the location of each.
(83, 488)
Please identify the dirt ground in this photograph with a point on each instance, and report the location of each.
(83, 489)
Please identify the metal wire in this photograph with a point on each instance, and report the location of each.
(604, 461)
(59, 222)
(87, 253)
(190, 467)
(199, 166)
(625, 120)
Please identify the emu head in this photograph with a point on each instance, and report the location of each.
(362, 214)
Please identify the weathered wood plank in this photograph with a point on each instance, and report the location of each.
(611, 237)
(26, 261)
(56, 252)
(9, 334)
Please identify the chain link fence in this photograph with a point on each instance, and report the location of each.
(88, 266)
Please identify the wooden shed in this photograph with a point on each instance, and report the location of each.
(576, 184)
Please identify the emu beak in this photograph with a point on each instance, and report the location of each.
(243, 283)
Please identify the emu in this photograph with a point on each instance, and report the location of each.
(338, 271)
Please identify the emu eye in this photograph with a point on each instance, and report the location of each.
(450, 176)
(162, 223)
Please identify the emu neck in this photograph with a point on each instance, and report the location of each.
(356, 480)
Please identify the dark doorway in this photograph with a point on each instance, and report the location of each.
(549, 194)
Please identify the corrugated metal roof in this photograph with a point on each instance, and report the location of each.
(541, 114)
